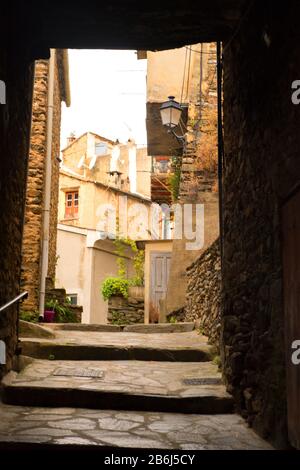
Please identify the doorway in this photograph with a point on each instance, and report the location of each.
(160, 269)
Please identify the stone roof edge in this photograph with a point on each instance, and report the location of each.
(63, 65)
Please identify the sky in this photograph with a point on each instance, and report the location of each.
(108, 95)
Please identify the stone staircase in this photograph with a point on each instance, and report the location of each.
(126, 370)
(146, 374)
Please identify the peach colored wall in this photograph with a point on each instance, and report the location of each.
(91, 197)
(82, 266)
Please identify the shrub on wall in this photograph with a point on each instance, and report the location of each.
(114, 286)
(119, 285)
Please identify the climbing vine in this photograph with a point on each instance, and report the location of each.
(138, 260)
(119, 285)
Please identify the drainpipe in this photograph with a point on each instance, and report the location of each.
(220, 146)
(47, 190)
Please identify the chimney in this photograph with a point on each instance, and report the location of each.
(71, 138)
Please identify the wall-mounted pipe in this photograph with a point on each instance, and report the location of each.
(47, 189)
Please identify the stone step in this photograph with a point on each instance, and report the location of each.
(119, 385)
(78, 345)
(180, 327)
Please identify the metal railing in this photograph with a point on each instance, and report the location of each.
(19, 297)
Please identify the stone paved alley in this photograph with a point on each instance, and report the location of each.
(83, 427)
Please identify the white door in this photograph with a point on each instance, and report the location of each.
(160, 269)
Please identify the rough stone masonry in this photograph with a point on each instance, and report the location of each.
(32, 236)
(203, 301)
(125, 311)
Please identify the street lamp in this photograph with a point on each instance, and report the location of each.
(170, 112)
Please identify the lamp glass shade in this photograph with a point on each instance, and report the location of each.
(170, 112)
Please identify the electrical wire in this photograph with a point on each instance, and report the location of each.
(200, 87)
(188, 77)
(183, 80)
(199, 52)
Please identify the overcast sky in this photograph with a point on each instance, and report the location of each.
(108, 93)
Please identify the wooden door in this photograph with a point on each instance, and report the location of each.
(291, 278)
(159, 272)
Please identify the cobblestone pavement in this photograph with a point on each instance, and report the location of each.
(136, 377)
(150, 430)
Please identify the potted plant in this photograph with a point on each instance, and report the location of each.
(49, 313)
(61, 313)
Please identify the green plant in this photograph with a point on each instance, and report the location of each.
(174, 178)
(114, 286)
(118, 319)
(51, 304)
(172, 319)
(200, 331)
(63, 313)
(138, 260)
(138, 264)
(217, 361)
(32, 317)
(121, 261)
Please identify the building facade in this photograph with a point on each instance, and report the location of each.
(104, 193)
(184, 174)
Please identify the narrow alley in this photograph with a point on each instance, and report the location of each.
(149, 230)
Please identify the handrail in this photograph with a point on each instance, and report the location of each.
(22, 296)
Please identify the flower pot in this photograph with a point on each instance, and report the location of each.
(49, 316)
(136, 292)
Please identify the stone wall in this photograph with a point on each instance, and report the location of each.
(125, 311)
(31, 250)
(261, 166)
(55, 174)
(16, 69)
(204, 293)
(32, 239)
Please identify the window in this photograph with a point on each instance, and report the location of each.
(72, 202)
(72, 298)
(100, 148)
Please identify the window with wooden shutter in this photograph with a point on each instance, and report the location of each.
(72, 205)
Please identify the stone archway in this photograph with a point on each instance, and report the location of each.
(261, 164)
(28, 33)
